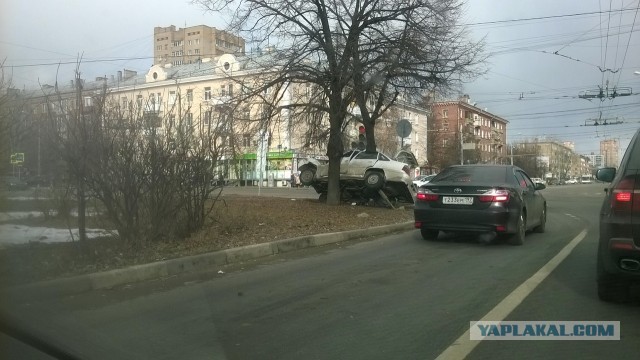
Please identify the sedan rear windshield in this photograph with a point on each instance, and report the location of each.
(475, 174)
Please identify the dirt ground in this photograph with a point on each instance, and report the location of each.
(238, 221)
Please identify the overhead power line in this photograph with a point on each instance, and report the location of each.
(83, 61)
(551, 17)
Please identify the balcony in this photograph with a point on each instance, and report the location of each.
(218, 100)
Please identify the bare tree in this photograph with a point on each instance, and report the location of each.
(525, 156)
(154, 174)
(74, 120)
(7, 100)
(364, 52)
(151, 171)
(16, 129)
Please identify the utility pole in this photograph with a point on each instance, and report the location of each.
(80, 138)
(511, 154)
(461, 144)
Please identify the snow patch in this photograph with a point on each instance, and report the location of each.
(11, 234)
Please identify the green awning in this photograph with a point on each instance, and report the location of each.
(270, 155)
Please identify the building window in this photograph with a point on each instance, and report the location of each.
(88, 101)
(189, 95)
(207, 93)
(246, 140)
(230, 89)
(139, 101)
(124, 102)
(197, 41)
(188, 120)
(172, 97)
(207, 117)
(445, 142)
(196, 51)
(223, 90)
(445, 113)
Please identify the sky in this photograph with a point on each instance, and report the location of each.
(536, 90)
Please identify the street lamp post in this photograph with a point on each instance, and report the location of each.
(511, 154)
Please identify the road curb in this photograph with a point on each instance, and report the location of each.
(160, 269)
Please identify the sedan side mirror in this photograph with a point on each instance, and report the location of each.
(540, 186)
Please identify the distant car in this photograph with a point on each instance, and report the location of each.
(571, 182)
(37, 181)
(538, 181)
(484, 199)
(362, 175)
(585, 180)
(422, 179)
(13, 183)
(618, 265)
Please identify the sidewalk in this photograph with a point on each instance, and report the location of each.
(161, 269)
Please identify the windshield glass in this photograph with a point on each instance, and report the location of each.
(219, 179)
(477, 174)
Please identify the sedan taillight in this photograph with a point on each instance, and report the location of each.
(426, 195)
(495, 195)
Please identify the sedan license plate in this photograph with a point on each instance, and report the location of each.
(457, 200)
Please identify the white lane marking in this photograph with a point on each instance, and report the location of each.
(572, 216)
(462, 347)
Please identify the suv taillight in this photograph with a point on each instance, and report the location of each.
(622, 195)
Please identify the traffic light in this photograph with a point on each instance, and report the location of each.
(362, 138)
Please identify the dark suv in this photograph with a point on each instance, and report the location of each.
(619, 245)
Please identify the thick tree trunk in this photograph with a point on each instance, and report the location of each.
(335, 149)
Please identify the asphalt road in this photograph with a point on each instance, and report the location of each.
(395, 297)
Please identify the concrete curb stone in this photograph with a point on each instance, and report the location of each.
(161, 269)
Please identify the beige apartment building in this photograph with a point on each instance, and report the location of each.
(553, 160)
(206, 94)
(609, 149)
(187, 45)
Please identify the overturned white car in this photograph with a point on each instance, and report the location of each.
(362, 176)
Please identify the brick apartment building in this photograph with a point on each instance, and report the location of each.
(461, 132)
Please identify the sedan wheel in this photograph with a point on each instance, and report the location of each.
(518, 237)
(307, 175)
(374, 180)
(543, 221)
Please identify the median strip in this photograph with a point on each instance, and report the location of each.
(160, 269)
